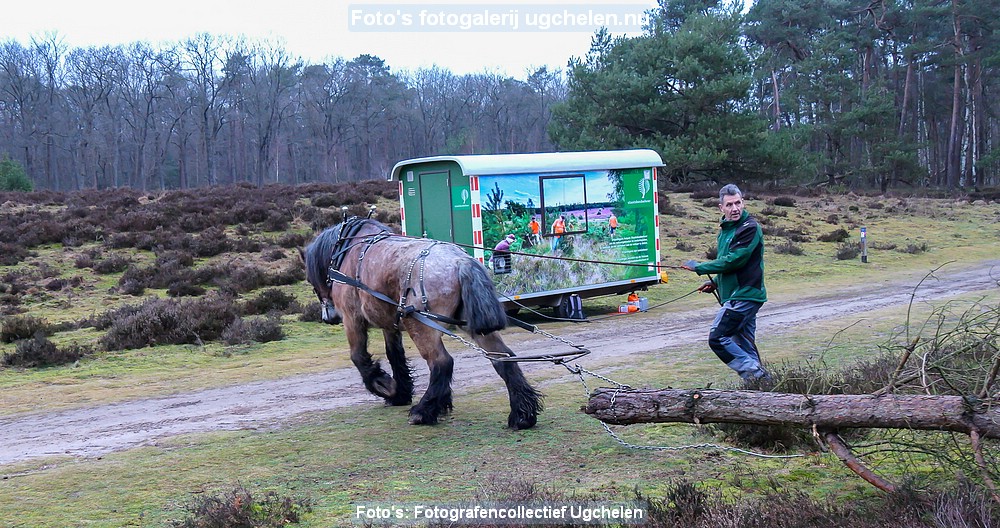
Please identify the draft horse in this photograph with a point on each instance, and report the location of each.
(366, 276)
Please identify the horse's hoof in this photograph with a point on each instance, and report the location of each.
(385, 387)
(523, 422)
(417, 418)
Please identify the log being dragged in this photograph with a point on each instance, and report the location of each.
(826, 412)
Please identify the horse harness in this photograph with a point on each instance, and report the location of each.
(348, 231)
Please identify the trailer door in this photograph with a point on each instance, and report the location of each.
(435, 206)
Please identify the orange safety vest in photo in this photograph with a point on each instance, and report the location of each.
(613, 221)
(559, 226)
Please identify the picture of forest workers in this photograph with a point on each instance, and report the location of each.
(591, 220)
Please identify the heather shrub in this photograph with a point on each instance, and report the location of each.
(683, 245)
(291, 240)
(211, 242)
(168, 321)
(837, 235)
(131, 287)
(274, 255)
(22, 327)
(311, 313)
(113, 263)
(270, 300)
(84, 260)
(784, 201)
(239, 508)
(39, 351)
(277, 221)
(260, 329)
(913, 249)
(847, 251)
(788, 248)
(794, 234)
(185, 289)
(240, 279)
(771, 211)
(11, 254)
(60, 283)
(290, 275)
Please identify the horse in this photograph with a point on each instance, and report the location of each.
(359, 268)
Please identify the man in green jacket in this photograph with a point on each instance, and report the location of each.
(739, 280)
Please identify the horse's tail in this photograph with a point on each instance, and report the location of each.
(481, 310)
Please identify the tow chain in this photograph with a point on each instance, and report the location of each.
(579, 371)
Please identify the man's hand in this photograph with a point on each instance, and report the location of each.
(708, 287)
(689, 265)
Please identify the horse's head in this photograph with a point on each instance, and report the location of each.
(316, 258)
(328, 250)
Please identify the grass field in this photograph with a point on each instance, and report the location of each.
(367, 456)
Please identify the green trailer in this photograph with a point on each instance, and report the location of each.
(583, 223)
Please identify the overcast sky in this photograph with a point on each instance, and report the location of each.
(464, 37)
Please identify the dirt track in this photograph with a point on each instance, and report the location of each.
(94, 431)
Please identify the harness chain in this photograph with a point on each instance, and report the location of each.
(580, 371)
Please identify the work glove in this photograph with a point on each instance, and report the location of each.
(689, 264)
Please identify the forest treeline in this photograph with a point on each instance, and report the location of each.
(854, 93)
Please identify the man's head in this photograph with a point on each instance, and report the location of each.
(731, 202)
(511, 238)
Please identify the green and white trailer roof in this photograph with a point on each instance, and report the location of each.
(492, 164)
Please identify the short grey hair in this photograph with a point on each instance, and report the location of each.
(729, 190)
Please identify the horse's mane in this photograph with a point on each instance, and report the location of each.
(318, 252)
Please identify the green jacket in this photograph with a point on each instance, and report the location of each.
(739, 266)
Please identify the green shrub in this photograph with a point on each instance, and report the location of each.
(13, 177)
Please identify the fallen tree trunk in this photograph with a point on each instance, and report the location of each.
(825, 412)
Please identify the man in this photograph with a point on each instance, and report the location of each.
(613, 223)
(535, 231)
(501, 254)
(739, 280)
(558, 228)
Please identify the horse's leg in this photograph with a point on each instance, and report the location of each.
(376, 380)
(402, 375)
(437, 398)
(525, 401)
